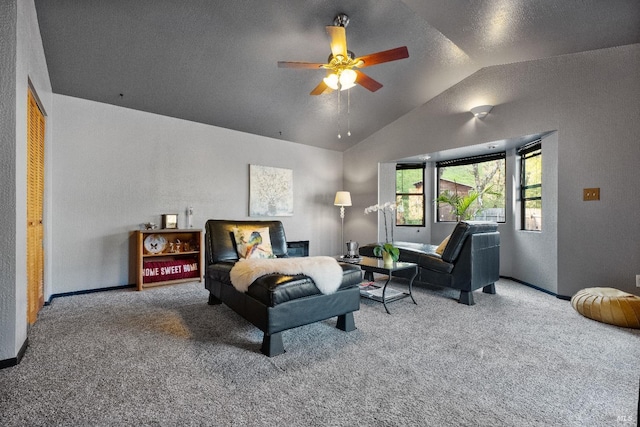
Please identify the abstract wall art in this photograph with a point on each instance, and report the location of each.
(270, 191)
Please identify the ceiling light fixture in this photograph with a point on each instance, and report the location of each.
(481, 111)
(341, 63)
(347, 79)
(332, 81)
(343, 79)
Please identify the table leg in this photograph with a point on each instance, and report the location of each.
(384, 290)
(411, 285)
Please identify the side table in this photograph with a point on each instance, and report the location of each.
(376, 265)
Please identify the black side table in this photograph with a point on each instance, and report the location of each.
(376, 265)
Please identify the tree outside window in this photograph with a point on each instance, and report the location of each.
(472, 189)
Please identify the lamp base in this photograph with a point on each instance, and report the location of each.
(350, 258)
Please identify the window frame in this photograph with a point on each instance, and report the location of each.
(463, 161)
(405, 166)
(526, 152)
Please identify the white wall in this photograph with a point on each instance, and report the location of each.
(22, 61)
(117, 168)
(387, 193)
(8, 283)
(593, 100)
(532, 256)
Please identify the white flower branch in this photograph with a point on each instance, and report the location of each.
(388, 206)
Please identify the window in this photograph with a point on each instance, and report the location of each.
(472, 188)
(531, 186)
(410, 194)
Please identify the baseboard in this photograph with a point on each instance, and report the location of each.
(563, 297)
(7, 363)
(87, 291)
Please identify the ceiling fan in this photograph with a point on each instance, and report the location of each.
(341, 63)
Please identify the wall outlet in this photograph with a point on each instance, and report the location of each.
(637, 280)
(591, 194)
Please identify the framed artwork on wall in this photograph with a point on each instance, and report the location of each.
(270, 191)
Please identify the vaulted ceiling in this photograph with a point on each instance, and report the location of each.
(215, 61)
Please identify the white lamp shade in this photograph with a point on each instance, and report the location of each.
(343, 198)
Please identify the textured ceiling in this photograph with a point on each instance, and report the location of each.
(215, 62)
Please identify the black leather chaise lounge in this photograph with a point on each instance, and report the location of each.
(470, 260)
(274, 302)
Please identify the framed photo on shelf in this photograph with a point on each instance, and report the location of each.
(170, 221)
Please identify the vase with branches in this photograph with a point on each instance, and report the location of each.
(385, 250)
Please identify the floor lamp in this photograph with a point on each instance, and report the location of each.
(343, 198)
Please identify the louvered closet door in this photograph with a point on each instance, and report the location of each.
(35, 196)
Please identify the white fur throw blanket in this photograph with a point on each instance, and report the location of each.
(325, 271)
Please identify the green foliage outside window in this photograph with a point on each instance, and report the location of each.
(472, 191)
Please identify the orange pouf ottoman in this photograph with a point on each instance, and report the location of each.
(608, 305)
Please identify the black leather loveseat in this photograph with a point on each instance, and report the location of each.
(274, 302)
(470, 260)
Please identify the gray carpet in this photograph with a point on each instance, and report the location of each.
(164, 357)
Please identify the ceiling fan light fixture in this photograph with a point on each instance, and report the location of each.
(332, 81)
(347, 79)
(341, 61)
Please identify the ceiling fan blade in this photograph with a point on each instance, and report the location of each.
(384, 56)
(322, 88)
(338, 40)
(309, 65)
(367, 82)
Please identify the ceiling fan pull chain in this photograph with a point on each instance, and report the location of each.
(348, 113)
(339, 136)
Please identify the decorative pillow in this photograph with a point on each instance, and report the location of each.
(253, 243)
(441, 246)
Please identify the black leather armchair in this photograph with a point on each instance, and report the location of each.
(274, 302)
(470, 260)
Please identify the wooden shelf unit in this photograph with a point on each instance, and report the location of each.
(169, 255)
